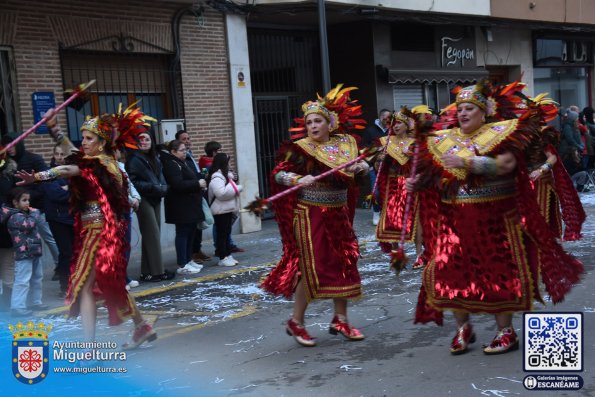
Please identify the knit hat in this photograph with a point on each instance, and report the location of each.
(571, 115)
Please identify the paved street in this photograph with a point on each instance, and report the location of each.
(219, 335)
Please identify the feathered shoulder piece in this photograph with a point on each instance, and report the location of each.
(546, 106)
(550, 136)
(337, 108)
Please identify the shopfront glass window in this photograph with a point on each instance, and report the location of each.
(567, 86)
(550, 52)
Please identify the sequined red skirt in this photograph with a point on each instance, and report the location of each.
(394, 199)
(118, 310)
(549, 205)
(328, 252)
(483, 261)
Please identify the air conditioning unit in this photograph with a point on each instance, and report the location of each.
(168, 128)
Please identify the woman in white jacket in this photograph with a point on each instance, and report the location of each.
(225, 203)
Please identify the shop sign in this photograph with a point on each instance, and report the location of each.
(42, 102)
(453, 54)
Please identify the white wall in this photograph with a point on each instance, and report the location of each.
(509, 47)
(243, 117)
(467, 7)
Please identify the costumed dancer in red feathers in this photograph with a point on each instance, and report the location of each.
(394, 168)
(99, 200)
(491, 243)
(557, 198)
(320, 250)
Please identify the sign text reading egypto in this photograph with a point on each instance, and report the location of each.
(452, 55)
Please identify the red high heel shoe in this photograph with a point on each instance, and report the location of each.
(142, 333)
(420, 262)
(340, 325)
(462, 339)
(506, 340)
(299, 333)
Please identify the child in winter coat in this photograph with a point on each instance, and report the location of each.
(225, 203)
(22, 221)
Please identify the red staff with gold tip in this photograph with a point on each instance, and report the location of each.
(258, 206)
(76, 92)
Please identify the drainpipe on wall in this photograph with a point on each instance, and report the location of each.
(326, 71)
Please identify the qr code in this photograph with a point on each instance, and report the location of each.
(553, 341)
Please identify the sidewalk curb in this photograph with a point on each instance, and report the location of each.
(179, 284)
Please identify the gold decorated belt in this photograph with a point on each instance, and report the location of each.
(489, 191)
(92, 214)
(392, 173)
(322, 196)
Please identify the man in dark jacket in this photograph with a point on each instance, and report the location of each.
(371, 135)
(197, 256)
(57, 213)
(32, 162)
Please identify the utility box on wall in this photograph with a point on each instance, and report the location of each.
(168, 128)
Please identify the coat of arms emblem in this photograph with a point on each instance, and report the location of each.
(30, 351)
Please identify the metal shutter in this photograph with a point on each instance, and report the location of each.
(407, 95)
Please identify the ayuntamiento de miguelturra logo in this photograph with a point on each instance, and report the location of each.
(30, 351)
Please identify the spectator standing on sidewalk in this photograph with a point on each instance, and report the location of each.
(56, 160)
(183, 203)
(61, 223)
(571, 145)
(134, 201)
(22, 221)
(32, 162)
(372, 133)
(197, 255)
(225, 203)
(205, 161)
(211, 149)
(145, 171)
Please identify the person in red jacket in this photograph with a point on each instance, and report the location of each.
(211, 149)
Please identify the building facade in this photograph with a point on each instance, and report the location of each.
(237, 72)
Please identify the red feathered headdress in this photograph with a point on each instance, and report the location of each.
(499, 103)
(337, 108)
(120, 129)
(128, 125)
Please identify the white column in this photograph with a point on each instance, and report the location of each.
(243, 117)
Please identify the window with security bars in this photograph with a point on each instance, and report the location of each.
(121, 79)
(9, 117)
